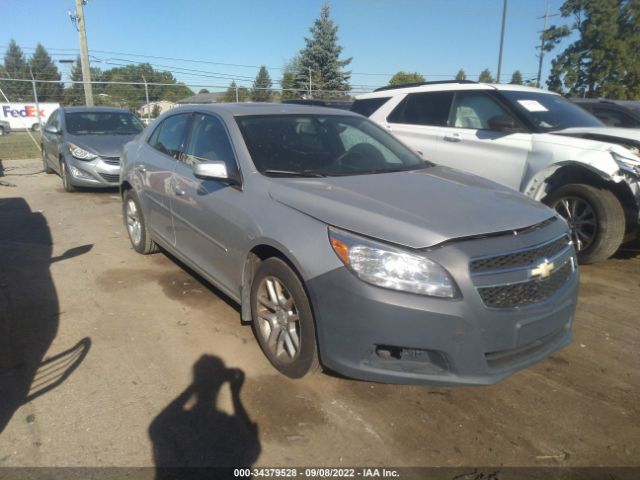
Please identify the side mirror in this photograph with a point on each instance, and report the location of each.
(213, 170)
(51, 129)
(502, 123)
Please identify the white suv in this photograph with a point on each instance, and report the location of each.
(530, 140)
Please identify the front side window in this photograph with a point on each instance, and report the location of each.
(209, 141)
(102, 123)
(550, 112)
(170, 135)
(614, 118)
(474, 110)
(430, 108)
(323, 145)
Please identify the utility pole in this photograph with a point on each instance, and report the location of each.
(504, 20)
(78, 19)
(237, 98)
(35, 98)
(542, 42)
(146, 94)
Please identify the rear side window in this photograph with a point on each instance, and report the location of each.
(367, 106)
(168, 137)
(474, 110)
(209, 141)
(614, 118)
(54, 120)
(430, 108)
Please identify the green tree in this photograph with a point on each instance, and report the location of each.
(604, 60)
(461, 75)
(485, 76)
(16, 66)
(288, 82)
(203, 90)
(155, 111)
(43, 68)
(516, 78)
(402, 78)
(261, 91)
(320, 60)
(229, 96)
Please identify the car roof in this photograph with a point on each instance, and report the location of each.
(453, 85)
(85, 109)
(607, 101)
(240, 109)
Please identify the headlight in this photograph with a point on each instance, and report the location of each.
(627, 164)
(389, 267)
(80, 153)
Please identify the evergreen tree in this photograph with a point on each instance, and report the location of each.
(461, 75)
(229, 96)
(402, 78)
(485, 76)
(203, 90)
(43, 68)
(74, 94)
(155, 111)
(516, 78)
(288, 82)
(604, 60)
(16, 66)
(261, 91)
(320, 60)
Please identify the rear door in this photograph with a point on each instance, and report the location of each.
(469, 143)
(209, 222)
(50, 141)
(158, 159)
(418, 121)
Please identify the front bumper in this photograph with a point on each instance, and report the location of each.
(98, 173)
(376, 334)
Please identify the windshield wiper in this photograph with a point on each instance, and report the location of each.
(294, 173)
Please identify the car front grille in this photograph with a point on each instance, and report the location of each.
(525, 293)
(111, 160)
(524, 277)
(110, 178)
(519, 259)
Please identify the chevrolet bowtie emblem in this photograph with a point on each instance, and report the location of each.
(543, 270)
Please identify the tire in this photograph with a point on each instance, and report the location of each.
(35, 127)
(2, 133)
(268, 314)
(605, 221)
(139, 236)
(45, 164)
(65, 175)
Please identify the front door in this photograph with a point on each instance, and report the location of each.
(207, 220)
(470, 144)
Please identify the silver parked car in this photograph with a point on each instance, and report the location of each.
(82, 144)
(345, 249)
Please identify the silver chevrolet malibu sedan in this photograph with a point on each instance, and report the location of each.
(346, 250)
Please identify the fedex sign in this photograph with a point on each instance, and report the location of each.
(26, 115)
(27, 111)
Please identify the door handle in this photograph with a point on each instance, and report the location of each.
(452, 138)
(177, 191)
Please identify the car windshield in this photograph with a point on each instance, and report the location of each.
(550, 112)
(102, 123)
(323, 145)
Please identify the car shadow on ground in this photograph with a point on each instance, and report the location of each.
(628, 250)
(29, 310)
(192, 438)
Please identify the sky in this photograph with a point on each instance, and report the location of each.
(225, 39)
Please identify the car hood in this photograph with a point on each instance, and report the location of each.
(103, 145)
(618, 136)
(417, 209)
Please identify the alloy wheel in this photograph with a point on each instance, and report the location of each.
(278, 321)
(581, 219)
(134, 226)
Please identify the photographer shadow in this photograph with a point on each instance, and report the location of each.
(190, 436)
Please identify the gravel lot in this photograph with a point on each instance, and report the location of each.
(112, 345)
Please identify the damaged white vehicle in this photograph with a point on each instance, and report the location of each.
(530, 140)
